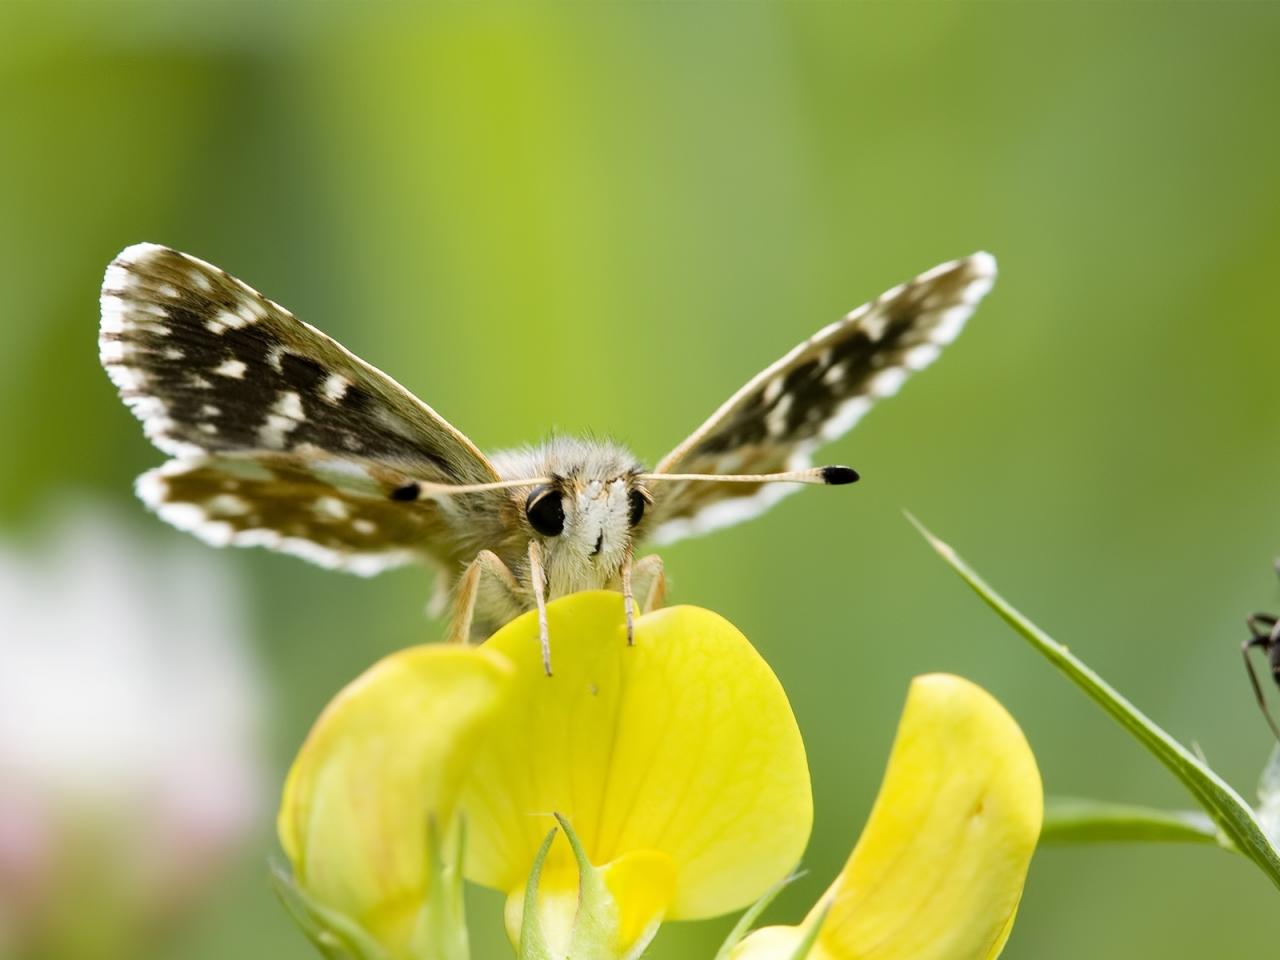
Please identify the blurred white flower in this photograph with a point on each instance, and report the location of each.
(129, 737)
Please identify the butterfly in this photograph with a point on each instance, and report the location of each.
(282, 438)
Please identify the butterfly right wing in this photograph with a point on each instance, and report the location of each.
(283, 438)
(813, 395)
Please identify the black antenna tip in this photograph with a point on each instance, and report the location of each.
(838, 476)
(407, 492)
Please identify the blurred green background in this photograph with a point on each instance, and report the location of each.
(605, 218)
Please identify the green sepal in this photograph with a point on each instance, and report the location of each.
(752, 914)
(595, 926)
(334, 934)
(596, 918)
(533, 943)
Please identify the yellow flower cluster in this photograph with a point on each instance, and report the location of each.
(661, 781)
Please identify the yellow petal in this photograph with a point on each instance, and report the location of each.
(643, 884)
(682, 745)
(939, 870)
(386, 758)
(771, 943)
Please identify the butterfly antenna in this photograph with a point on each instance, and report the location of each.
(427, 488)
(833, 476)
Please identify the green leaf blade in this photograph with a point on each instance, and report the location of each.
(1069, 821)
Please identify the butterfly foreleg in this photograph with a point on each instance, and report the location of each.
(538, 580)
(488, 583)
(644, 579)
(649, 583)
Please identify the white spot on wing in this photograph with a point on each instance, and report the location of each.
(335, 387)
(229, 505)
(917, 358)
(225, 320)
(776, 421)
(289, 404)
(331, 508)
(950, 323)
(876, 320)
(887, 382)
(231, 368)
(846, 417)
(272, 434)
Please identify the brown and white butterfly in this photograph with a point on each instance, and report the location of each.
(282, 438)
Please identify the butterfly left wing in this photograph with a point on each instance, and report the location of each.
(283, 438)
(329, 512)
(814, 394)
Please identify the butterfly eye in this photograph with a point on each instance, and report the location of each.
(545, 510)
(638, 503)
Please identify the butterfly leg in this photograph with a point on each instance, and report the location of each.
(628, 599)
(538, 579)
(644, 579)
(650, 583)
(488, 577)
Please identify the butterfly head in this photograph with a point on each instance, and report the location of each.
(587, 513)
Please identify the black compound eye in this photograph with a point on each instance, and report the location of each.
(638, 503)
(545, 510)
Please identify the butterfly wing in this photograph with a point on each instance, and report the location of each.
(326, 511)
(282, 437)
(813, 395)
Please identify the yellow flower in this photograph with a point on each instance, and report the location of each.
(676, 763)
(939, 870)
(385, 762)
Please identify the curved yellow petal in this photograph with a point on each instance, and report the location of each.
(939, 870)
(386, 758)
(772, 943)
(682, 745)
